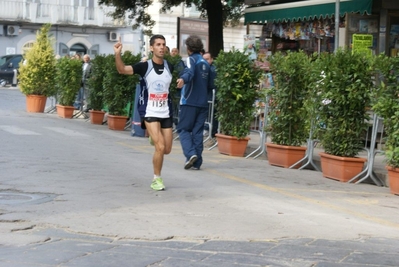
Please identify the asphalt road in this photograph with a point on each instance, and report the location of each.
(76, 194)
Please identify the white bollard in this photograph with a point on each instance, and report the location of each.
(14, 79)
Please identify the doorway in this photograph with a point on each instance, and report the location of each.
(78, 49)
(393, 35)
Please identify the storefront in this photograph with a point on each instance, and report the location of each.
(310, 25)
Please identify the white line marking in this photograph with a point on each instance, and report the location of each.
(17, 130)
(66, 131)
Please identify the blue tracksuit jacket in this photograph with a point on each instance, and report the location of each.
(196, 82)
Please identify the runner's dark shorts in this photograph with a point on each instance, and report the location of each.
(165, 122)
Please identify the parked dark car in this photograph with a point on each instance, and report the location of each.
(7, 65)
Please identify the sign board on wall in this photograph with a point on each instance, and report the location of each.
(187, 27)
(10, 51)
(362, 43)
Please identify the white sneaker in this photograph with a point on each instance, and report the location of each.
(190, 162)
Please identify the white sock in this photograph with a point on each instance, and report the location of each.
(156, 176)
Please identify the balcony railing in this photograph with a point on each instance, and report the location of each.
(57, 14)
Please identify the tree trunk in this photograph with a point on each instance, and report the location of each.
(214, 10)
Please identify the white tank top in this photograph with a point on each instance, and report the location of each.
(158, 92)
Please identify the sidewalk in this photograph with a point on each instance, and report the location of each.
(378, 168)
(78, 250)
(9, 86)
(254, 143)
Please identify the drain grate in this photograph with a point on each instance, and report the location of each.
(16, 198)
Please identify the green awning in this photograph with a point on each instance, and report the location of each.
(304, 10)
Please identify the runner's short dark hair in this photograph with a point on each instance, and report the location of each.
(156, 36)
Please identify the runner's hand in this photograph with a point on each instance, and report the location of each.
(180, 83)
(118, 46)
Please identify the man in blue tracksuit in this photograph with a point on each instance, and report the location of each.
(193, 103)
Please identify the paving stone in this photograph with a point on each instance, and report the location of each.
(384, 242)
(61, 234)
(359, 245)
(252, 260)
(331, 264)
(379, 259)
(184, 263)
(74, 245)
(19, 264)
(296, 241)
(308, 253)
(49, 257)
(236, 246)
(111, 259)
(161, 252)
(162, 244)
(19, 239)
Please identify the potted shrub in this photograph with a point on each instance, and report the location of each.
(288, 117)
(345, 89)
(175, 93)
(119, 90)
(237, 84)
(95, 84)
(68, 81)
(387, 107)
(37, 72)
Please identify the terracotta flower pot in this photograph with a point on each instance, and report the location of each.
(35, 103)
(393, 177)
(65, 111)
(340, 168)
(284, 156)
(117, 123)
(230, 145)
(96, 116)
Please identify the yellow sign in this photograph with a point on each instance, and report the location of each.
(362, 43)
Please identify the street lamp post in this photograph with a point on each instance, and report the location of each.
(336, 43)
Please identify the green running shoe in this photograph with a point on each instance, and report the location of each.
(151, 142)
(157, 184)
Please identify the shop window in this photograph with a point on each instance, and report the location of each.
(393, 38)
(309, 35)
(363, 24)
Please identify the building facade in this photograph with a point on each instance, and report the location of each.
(167, 24)
(78, 26)
(82, 26)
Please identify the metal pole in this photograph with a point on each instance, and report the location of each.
(14, 78)
(336, 36)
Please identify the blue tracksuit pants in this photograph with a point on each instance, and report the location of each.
(191, 131)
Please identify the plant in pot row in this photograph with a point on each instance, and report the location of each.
(237, 84)
(95, 83)
(332, 90)
(346, 83)
(386, 105)
(68, 81)
(119, 90)
(287, 122)
(36, 74)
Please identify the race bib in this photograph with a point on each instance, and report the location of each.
(158, 100)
